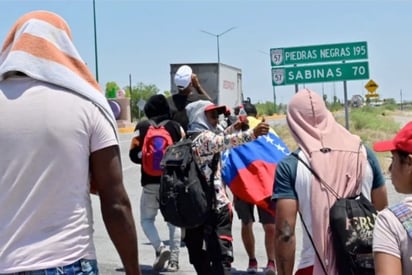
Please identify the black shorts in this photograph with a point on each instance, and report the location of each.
(245, 212)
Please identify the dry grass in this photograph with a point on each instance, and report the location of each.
(283, 132)
(386, 125)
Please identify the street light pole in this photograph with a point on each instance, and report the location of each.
(273, 87)
(218, 49)
(401, 100)
(217, 40)
(95, 42)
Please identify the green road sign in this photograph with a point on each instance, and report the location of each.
(320, 73)
(319, 53)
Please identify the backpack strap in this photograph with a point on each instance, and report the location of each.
(214, 166)
(404, 215)
(215, 162)
(300, 213)
(193, 135)
(151, 122)
(326, 186)
(309, 235)
(162, 123)
(321, 181)
(216, 157)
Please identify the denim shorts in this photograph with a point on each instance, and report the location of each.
(81, 267)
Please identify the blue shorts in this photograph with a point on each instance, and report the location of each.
(81, 267)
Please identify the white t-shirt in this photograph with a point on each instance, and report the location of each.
(389, 236)
(46, 137)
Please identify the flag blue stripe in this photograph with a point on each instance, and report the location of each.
(269, 148)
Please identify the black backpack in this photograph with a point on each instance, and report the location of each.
(351, 222)
(186, 197)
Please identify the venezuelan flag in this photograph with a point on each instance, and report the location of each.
(249, 169)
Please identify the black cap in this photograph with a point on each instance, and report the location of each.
(250, 109)
(156, 105)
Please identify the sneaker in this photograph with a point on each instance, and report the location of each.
(270, 268)
(162, 256)
(173, 266)
(253, 266)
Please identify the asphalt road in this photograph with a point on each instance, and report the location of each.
(109, 261)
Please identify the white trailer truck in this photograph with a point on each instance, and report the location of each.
(222, 82)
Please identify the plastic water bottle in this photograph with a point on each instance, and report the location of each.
(242, 114)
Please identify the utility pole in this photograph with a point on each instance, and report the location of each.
(275, 108)
(296, 85)
(401, 101)
(95, 42)
(130, 93)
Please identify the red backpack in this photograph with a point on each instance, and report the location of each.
(156, 141)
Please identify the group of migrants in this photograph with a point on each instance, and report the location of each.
(58, 141)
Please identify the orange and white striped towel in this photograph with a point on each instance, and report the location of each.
(40, 45)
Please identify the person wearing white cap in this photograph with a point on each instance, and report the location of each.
(186, 82)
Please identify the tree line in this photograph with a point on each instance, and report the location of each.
(143, 91)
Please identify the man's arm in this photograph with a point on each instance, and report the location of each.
(379, 197)
(387, 251)
(135, 151)
(106, 172)
(285, 241)
(198, 87)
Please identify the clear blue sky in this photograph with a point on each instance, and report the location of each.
(142, 38)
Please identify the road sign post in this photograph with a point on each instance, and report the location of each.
(140, 105)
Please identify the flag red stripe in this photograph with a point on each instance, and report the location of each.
(254, 183)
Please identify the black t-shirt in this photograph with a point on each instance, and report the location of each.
(177, 104)
(171, 126)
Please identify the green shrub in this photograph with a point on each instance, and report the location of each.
(373, 118)
(370, 123)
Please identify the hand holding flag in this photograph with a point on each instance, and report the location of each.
(261, 129)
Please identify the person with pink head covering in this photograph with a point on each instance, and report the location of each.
(334, 153)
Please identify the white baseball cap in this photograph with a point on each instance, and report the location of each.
(183, 77)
